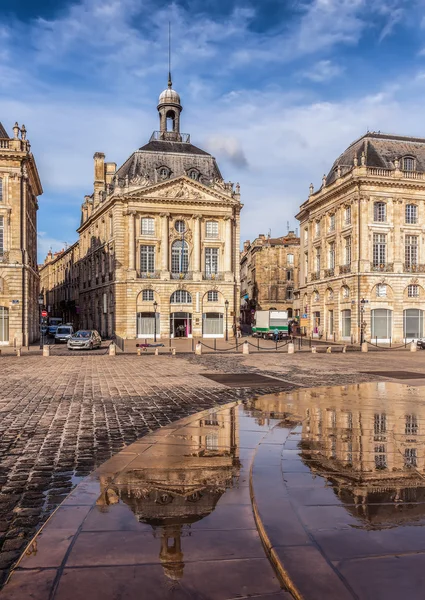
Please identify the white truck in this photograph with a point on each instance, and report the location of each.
(267, 322)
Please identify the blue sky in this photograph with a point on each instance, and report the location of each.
(275, 89)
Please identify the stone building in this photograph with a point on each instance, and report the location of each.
(362, 266)
(19, 281)
(158, 249)
(269, 274)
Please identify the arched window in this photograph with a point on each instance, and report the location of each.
(179, 257)
(180, 226)
(180, 297)
(408, 163)
(194, 174)
(164, 173)
(380, 212)
(171, 120)
(413, 291)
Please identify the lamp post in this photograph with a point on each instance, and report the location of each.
(226, 304)
(40, 307)
(155, 306)
(362, 321)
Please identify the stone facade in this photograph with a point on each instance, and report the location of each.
(159, 236)
(19, 280)
(362, 266)
(269, 274)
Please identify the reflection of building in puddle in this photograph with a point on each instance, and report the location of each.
(179, 480)
(367, 439)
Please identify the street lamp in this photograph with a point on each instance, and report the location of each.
(155, 306)
(40, 306)
(362, 321)
(226, 304)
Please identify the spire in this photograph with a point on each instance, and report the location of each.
(170, 83)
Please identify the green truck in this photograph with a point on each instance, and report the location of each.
(267, 322)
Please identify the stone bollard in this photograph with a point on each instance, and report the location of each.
(18, 352)
(46, 350)
(313, 349)
(139, 352)
(291, 348)
(173, 351)
(413, 347)
(329, 350)
(245, 348)
(344, 349)
(364, 347)
(156, 351)
(198, 349)
(112, 350)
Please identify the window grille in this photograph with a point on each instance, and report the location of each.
(179, 257)
(1, 235)
(148, 226)
(147, 295)
(408, 163)
(147, 259)
(380, 212)
(411, 214)
(348, 250)
(380, 424)
(411, 250)
(180, 226)
(410, 457)
(181, 297)
(380, 457)
(411, 425)
(211, 229)
(379, 249)
(212, 296)
(348, 215)
(211, 261)
(413, 291)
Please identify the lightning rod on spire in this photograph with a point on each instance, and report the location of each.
(170, 83)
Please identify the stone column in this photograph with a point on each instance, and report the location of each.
(228, 245)
(131, 241)
(197, 243)
(164, 241)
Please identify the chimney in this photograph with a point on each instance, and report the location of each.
(99, 175)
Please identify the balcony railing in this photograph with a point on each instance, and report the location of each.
(382, 267)
(344, 269)
(170, 136)
(213, 276)
(329, 272)
(414, 268)
(187, 275)
(149, 275)
(4, 143)
(315, 276)
(4, 256)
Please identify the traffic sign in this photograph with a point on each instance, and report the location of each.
(44, 313)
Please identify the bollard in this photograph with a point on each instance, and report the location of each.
(46, 350)
(173, 351)
(18, 352)
(413, 347)
(291, 348)
(139, 352)
(112, 350)
(329, 350)
(364, 347)
(344, 349)
(313, 349)
(198, 349)
(245, 348)
(156, 351)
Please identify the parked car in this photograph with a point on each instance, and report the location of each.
(85, 339)
(421, 343)
(63, 333)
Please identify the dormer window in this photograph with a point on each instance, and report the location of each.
(164, 173)
(194, 174)
(408, 163)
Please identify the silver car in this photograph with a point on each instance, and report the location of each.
(63, 333)
(85, 339)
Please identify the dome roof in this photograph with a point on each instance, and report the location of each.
(169, 96)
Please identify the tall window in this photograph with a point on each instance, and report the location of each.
(317, 228)
(181, 297)
(413, 291)
(379, 249)
(332, 223)
(411, 213)
(410, 457)
(1, 235)
(211, 261)
(147, 295)
(179, 257)
(380, 212)
(148, 226)
(346, 322)
(1, 189)
(411, 425)
(317, 260)
(411, 250)
(147, 259)
(380, 423)
(408, 163)
(348, 250)
(180, 226)
(290, 259)
(305, 236)
(347, 215)
(332, 255)
(211, 229)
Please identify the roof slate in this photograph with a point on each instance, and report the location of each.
(179, 147)
(3, 133)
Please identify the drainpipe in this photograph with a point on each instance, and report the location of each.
(359, 262)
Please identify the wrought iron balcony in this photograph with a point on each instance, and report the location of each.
(187, 275)
(329, 272)
(413, 268)
(315, 276)
(382, 267)
(213, 276)
(149, 274)
(344, 269)
(4, 256)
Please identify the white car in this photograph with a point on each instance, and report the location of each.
(63, 333)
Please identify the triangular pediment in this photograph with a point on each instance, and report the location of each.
(183, 189)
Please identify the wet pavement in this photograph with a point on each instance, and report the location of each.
(327, 485)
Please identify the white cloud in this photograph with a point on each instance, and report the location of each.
(322, 71)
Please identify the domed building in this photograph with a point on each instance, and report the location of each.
(158, 253)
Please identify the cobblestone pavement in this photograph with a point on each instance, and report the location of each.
(62, 416)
